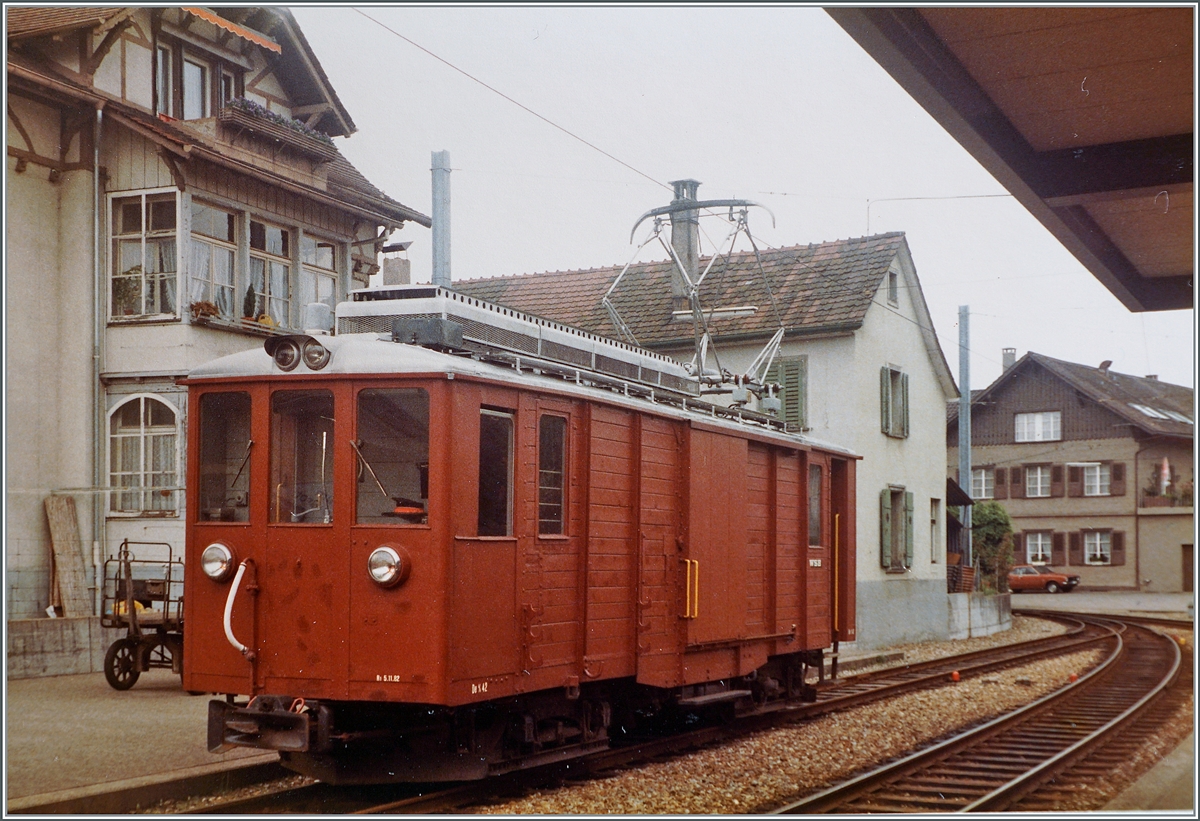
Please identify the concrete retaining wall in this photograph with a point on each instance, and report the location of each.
(900, 610)
(57, 647)
(976, 614)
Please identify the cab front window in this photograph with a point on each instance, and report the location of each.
(392, 455)
(302, 457)
(225, 447)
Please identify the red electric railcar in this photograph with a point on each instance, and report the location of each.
(483, 541)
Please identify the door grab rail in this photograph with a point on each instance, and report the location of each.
(233, 589)
(691, 607)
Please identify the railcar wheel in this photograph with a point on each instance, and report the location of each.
(120, 664)
(1052, 587)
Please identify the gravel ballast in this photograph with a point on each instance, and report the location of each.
(769, 769)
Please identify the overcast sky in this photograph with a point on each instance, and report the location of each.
(776, 105)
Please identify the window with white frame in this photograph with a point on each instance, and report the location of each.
(1097, 547)
(1096, 480)
(893, 288)
(1045, 426)
(211, 263)
(143, 442)
(144, 255)
(269, 289)
(983, 483)
(1037, 547)
(195, 89)
(1037, 481)
(318, 271)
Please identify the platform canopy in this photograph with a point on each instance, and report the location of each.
(1084, 114)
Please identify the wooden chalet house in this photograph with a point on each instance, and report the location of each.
(174, 193)
(1094, 467)
(860, 366)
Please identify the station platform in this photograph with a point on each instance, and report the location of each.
(74, 745)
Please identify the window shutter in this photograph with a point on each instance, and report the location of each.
(885, 398)
(1000, 489)
(792, 376)
(908, 529)
(1017, 484)
(801, 388)
(1116, 479)
(885, 528)
(904, 404)
(1058, 552)
(1074, 480)
(1056, 480)
(1118, 548)
(1019, 548)
(1075, 548)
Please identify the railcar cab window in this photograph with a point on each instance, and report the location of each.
(495, 472)
(814, 506)
(552, 464)
(392, 453)
(225, 447)
(302, 457)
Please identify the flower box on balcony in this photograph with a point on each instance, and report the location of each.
(259, 124)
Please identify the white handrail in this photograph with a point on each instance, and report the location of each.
(233, 589)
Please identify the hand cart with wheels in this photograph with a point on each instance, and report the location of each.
(143, 595)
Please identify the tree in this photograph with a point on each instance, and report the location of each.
(991, 537)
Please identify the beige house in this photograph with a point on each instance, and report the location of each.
(860, 367)
(1093, 466)
(174, 194)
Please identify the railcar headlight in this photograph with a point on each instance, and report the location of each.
(389, 566)
(287, 354)
(217, 562)
(316, 355)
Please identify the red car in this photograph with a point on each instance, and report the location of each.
(1025, 577)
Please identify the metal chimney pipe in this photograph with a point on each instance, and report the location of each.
(685, 239)
(440, 166)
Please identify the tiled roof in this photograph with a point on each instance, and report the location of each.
(819, 288)
(35, 21)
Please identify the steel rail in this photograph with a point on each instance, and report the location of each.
(1000, 760)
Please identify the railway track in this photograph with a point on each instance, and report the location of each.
(1026, 759)
(831, 696)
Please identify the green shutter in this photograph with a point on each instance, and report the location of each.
(792, 376)
(885, 528)
(908, 529)
(904, 404)
(885, 398)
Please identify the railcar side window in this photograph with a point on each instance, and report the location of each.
(495, 473)
(552, 464)
(392, 451)
(302, 456)
(814, 505)
(225, 447)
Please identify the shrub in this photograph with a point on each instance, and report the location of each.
(991, 537)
